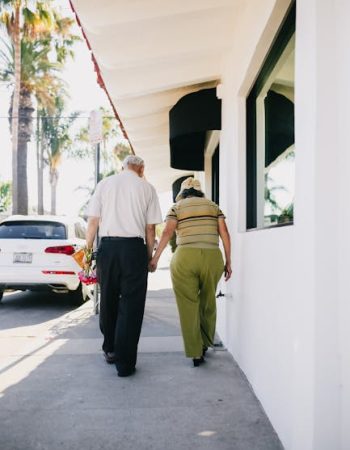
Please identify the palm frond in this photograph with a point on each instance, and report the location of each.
(7, 21)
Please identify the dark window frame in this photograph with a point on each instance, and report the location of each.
(283, 36)
(215, 176)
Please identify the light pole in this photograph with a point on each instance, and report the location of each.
(95, 137)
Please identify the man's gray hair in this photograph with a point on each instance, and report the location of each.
(133, 160)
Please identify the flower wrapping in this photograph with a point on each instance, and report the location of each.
(79, 257)
(88, 276)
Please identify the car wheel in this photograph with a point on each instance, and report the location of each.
(79, 296)
(1, 295)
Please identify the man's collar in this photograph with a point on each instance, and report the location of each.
(132, 172)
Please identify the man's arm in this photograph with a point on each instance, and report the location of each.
(169, 230)
(150, 238)
(93, 223)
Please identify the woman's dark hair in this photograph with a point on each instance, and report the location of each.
(191, 193)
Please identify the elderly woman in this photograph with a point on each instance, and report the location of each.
(197, 264)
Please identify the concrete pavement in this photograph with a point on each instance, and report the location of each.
(58, 393)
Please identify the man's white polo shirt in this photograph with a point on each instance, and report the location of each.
(125, 204)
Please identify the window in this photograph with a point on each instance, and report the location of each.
(270, 135)
(32, 229)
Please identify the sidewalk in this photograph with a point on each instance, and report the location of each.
(58, 393)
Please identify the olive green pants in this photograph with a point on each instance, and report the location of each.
(195, 274)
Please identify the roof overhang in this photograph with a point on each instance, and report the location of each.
(150, 55)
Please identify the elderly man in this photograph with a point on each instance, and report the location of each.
(125, 208)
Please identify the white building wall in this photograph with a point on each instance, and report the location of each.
(342, 33)
(256, 323)
(286, 314)
(302, 424)
(332, 244)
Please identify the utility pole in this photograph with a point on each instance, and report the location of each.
(95, 137)
(97, 163)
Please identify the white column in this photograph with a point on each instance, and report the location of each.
(342, 216)
(321, 313)
(302, 311)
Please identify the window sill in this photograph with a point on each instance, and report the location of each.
(278, 225)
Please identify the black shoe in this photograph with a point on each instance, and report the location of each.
(126, 372)
(205, 349)
(198, 361)
(109, 357)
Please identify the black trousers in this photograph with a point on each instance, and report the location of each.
(122, 269)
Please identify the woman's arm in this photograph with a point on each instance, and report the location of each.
(226, 241)
(169, 230)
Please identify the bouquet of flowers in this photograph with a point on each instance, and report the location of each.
(88, 274)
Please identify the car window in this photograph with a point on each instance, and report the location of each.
(32, 229)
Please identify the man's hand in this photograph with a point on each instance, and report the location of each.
(168, 231)
(152, 265)
(87, 259)
(86, 263)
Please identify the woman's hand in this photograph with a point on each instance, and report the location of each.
(226, 241)
(228, 271)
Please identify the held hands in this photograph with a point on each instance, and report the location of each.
(228, 271)
(152, 265)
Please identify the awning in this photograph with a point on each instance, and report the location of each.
(166, 50)
(190, 119)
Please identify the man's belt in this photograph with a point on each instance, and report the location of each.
(119, 238)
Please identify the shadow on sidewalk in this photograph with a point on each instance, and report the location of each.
(63, 395)
(19, 309)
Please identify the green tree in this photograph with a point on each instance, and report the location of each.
(20, 21)
(113, 149)
(5, 196)
(45, 41)
(56, 134)
(39, 77)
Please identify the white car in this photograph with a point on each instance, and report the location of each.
(36, 254)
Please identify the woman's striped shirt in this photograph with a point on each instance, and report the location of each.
(197, 222)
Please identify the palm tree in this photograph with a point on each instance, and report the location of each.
(63, 45)
(38, 76)
(5, 196)
(20, 21)
(56, 133)
(45, 44)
